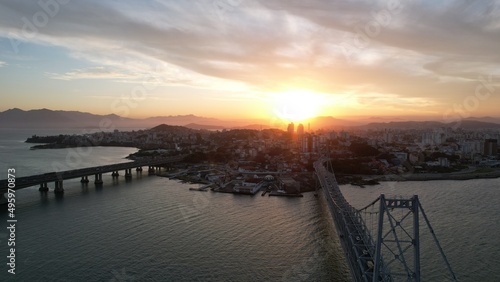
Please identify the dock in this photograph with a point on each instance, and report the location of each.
(273, 193)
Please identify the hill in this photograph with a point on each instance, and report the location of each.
(63, 119)
(17, 118)
(464, 124)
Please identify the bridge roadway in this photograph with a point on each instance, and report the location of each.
(28, 181)
(356, 241)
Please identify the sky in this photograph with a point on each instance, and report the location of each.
(237, 59)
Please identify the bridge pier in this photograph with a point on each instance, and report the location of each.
(59, 187)
(43, 187)
(128, 173)
(151, 170)
(98, 179)
(86, 173)
(115, 174)
(85, 179)
(3, 200)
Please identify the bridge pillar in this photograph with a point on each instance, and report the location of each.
(115, 174)
(98, 178)
(3, 200)
(151, 170)
(43, 187)
(85, 179)
(139, 168)
(128, 173)
(59, 187)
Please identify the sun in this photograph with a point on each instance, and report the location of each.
(297, 105)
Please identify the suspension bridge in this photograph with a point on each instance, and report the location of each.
(381, 241)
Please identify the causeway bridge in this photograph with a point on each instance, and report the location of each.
(381, 241)
(84, 173)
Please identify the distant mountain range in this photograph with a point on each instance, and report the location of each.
(17, 118)
(465, 124)
(61, 119)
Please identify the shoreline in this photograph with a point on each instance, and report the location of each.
(47, 142)
(44, 146)
(431, 176)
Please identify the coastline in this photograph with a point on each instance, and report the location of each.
(432, 176)
(65, 146)
(55, 142)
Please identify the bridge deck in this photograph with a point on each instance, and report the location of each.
(355, 239)
(28, 181)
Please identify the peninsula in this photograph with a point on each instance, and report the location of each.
(359, 157)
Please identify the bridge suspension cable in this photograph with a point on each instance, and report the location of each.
(381, 240)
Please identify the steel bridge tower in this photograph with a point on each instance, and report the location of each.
(382, 240)
(398, 239)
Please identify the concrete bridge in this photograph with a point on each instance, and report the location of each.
(84, 173)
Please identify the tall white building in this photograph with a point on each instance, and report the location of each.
(388, 137)
(433, 138)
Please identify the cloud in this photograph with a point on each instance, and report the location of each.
(2, 64)
(92, 73)
(417, 49)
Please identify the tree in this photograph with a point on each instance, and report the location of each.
(363, 150)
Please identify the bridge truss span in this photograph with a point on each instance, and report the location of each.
(381, 241)
(355, 239)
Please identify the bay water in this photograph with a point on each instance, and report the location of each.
(155, 229)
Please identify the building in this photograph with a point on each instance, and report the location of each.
(433, 138)
(289, 184)
(402, 156)
(444, 162)
(344, 135)
(469, 148)
(388, 136)
(333, 135)
(300, 130)
(248, 186)
(291, 130)
(490, 147)
(310, 143)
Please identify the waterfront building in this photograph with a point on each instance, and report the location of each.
(289, 184)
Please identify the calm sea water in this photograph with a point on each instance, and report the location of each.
(155, 229)
(465, 216)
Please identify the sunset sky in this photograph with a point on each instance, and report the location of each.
(285, 59)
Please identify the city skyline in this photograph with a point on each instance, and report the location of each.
(248, 59)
